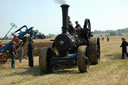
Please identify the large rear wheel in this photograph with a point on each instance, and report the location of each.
(82, 60)
(93, 51)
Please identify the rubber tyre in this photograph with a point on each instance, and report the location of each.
(44, 63)
(93, 51)
(82, 60)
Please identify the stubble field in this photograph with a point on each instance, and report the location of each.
(112, 70)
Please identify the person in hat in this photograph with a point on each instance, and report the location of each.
(30, 53)
(78, 28)
(20, 51)
(124, 47)
(12, 52)
(71, 29)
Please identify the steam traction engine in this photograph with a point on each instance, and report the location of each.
(71, 49)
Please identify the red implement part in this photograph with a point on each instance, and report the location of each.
(3, 58)
(1, 46)
(15, 40)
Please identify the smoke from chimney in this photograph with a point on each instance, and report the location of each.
(60, 1)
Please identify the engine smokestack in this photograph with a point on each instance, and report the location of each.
(64, 17)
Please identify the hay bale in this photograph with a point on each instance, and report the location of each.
(37, 46)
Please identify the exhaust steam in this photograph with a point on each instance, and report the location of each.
(60, 1)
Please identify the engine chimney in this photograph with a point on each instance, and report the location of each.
(65, 17)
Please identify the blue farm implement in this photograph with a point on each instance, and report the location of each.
(21, 35)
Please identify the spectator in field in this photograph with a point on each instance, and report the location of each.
(124, 47)
(20, 51)
(102, 38)
(107, 39)
(30, 52)
(12, 52)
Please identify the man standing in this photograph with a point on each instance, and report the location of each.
(20, 51)
(12, 51)
(124, 47)
(107, 39)
(30, 52)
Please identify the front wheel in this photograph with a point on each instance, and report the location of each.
(44, 60)
(82, 60)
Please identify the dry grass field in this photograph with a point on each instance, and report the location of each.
(111, 71)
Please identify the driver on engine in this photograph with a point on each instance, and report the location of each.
(78, 28)
(71, 29)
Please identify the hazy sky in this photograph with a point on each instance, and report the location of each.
(46, 16)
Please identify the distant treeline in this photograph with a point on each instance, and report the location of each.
(112, 32)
